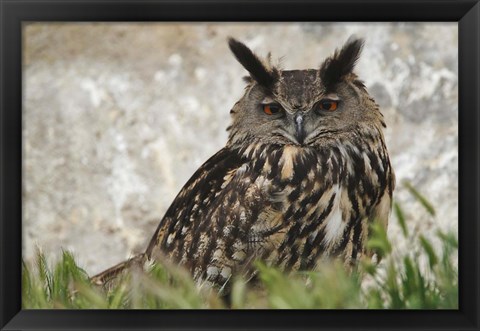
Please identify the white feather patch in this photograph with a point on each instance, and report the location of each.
(335, 224)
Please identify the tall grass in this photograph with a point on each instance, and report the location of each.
(399, 281)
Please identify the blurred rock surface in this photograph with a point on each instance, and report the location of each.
(117, 117)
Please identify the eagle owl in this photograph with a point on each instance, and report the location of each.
(303, 174)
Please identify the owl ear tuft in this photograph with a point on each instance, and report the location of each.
(341, 63)
(260, 72)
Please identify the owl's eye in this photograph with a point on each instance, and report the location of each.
(272, 108)
(328, 105)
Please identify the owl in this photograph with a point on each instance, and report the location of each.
(304, 173)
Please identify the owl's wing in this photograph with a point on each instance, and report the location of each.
(220, 219)
(185, 224)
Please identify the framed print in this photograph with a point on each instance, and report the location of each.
(202, 165)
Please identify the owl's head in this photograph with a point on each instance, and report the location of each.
(302, 107)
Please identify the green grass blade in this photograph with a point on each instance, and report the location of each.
(427, 246)
(401, 219)
(423, 201)
(378, 241)
(238, 293)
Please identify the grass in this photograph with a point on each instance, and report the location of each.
(400, 281)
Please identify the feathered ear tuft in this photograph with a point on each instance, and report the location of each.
(262, 74)
(341, 63)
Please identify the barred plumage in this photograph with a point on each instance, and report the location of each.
(292, 185)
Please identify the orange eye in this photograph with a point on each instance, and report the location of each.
(271, 109)
(328, 105)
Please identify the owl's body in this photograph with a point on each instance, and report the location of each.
(304, 173)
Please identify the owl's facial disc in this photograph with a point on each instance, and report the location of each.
(309, 107)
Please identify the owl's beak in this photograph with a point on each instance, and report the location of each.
(299, 128)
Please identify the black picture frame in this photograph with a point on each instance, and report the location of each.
(14, 12)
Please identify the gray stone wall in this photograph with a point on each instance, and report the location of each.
(116, 117)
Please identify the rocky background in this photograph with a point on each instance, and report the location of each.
(117, 117)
